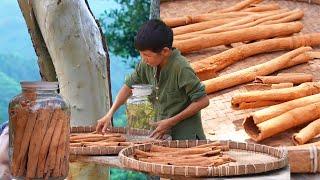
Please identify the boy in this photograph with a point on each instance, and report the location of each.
(178, 94)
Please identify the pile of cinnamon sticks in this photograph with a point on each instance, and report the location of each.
(256, 99)
(40, 142)
(275, 119)
(211, 154)
(245, 21)
(97, 140)
(258, 27)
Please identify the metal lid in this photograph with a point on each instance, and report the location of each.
(41, 85)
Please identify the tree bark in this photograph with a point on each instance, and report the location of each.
(154, 9)
(74, 42)
(46, 67)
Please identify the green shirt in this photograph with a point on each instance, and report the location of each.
(177, 88)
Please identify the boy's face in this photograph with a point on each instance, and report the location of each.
(152, 58)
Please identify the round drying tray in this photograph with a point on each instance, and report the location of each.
(139, 136)
(250, 159)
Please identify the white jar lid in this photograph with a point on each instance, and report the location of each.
(141, 89)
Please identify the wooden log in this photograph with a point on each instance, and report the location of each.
(220, 61)
(274, 111)
(295, 79)
(241, 35)
(283, 122)
(248, 74)
(285, 94)
(307, 133)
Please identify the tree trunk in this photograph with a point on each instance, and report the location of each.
(46, 67)
(75, 45)
(155, 9)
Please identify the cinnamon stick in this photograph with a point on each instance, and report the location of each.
(287, 120)
(23, 152)
(307, 133)
(248, 74)
(295, 79)
(19, 120)
(57, 114)
(220, 61)
(245, 34)
(38, 134)
(285, 94)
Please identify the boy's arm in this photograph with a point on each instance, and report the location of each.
(195, 91)
(124, 93)
(121, 98)
(192, 109)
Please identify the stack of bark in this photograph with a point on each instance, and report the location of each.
(202, 155)
(40, 142)
(259, 27)
(278, 93)
(98, 140)
(303, 110)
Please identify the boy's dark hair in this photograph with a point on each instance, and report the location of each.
(154, 35)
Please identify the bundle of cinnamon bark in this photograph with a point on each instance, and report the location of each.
(243, 22)
(40, 142)
(255, 99)
(211, 154)
(98, 140)
(260, 28)
(208, 68)
(275, 119)
(292, 58)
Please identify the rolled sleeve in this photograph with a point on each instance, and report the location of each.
(189, 81)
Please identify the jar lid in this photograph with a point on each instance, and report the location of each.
(42, 85)
(141, 89)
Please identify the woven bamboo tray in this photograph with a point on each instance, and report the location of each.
(223, 121)
(140, 135)
(251, 159)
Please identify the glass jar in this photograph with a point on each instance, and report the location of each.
(140, 111)
(39, 130)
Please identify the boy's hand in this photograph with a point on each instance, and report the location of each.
(162, 127)
(103, 124)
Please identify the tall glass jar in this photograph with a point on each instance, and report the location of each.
(39, 129)
(140, 111)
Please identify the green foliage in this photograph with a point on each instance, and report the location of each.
(121, 25)
(19, 68)
(120, 174)
(8, 88)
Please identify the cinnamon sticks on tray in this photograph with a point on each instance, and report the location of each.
(96, 140)
(204, 155)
